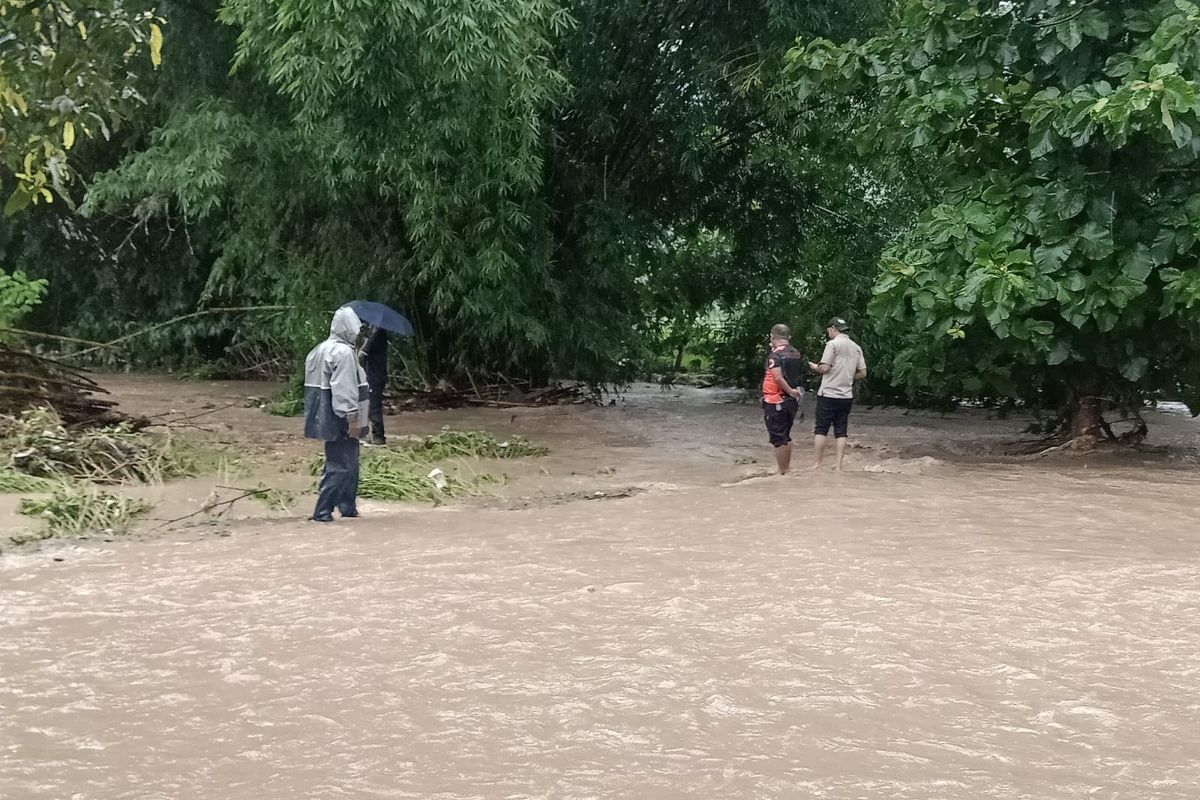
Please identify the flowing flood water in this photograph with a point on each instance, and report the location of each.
(923, 630)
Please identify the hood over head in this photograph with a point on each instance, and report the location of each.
(345, 325)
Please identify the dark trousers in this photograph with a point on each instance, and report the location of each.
(833, 412)
(339, 482)
(375, 414)
(780, 418)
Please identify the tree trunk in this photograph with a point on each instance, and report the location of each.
(679, 355)
(1086, 410)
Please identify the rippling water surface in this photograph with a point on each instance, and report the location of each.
(994, 633)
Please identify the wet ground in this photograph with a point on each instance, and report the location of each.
(948, 625)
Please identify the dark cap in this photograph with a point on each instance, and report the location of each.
(838, 324)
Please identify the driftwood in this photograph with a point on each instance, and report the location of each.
(514, 394)
(28, 380)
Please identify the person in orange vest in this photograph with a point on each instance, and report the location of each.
(782, 394)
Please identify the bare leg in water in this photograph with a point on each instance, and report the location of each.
(841, 453)
(783, 457)
(818, 450)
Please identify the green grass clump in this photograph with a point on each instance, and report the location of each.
(405, 472)
(287, 403)
(72, 510)
(399, 476)
(472, 444)
(13, 482)
(274, 499)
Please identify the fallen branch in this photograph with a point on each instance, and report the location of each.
(176, 320)
(52, 337)
(212, 503)
(167, 423)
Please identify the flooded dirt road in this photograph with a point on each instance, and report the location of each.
(936, 630)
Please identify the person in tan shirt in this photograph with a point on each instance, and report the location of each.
(841, 365)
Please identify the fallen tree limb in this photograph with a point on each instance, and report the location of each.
(212, 503)
(176, 320)
(52, 337)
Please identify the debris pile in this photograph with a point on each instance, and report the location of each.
(39, 444)
(29, 380)
(510, 394)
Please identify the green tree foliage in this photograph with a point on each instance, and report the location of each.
(18, 296)
(535, 183)
(1063, 252)
(68, 72)
(675, 169)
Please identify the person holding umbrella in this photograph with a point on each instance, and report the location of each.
(375, 360)
(335, 411)
(374, 353)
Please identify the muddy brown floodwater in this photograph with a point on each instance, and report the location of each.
(949, 625)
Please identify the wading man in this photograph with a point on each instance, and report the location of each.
(781, 394)
(841, 365)
(335, 411)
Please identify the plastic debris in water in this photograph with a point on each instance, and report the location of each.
(439, 479)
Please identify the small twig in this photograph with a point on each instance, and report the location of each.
(208, 508)
(186, 425)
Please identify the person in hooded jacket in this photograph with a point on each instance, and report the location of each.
(335, 411)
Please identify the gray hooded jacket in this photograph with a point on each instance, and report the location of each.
(335, 386)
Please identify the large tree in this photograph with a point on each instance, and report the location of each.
(1063, 253)
(514, 173)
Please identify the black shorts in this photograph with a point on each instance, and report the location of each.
(779, 418)
(833, 411)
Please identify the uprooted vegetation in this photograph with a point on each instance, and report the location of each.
(407, 471)
(471, 444)
(73, 479)
(74, 510)
(66, 468)
(40, 445)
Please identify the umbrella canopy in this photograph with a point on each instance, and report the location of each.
(382, 316)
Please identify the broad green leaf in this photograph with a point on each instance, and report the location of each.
(1134, 369)
(1181, 134)
(1138, 263)
(1163, 249)
(1094, 23)
(1070, 33)
(1049, 50)
(1069, 202)
(1041, 143)
(1096, 241)
(1059, 352)
(1101, 211)
(17, 201)
(1050, 258)
(995, 194)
